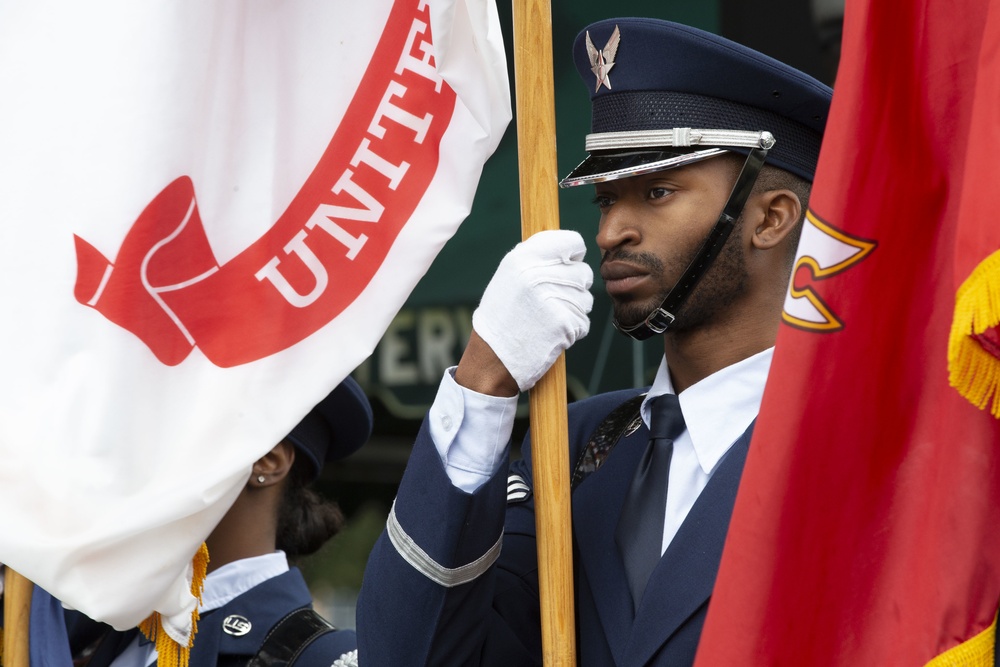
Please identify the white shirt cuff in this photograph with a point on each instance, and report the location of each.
(471, 431)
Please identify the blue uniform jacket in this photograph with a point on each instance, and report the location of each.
(404, 618)
(263, 606)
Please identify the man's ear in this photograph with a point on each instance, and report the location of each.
(273, 466)
(779, 211)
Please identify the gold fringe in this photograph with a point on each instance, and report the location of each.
(170, 653)
(975, 652)
(972, 370)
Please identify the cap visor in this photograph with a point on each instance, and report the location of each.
(600, 167)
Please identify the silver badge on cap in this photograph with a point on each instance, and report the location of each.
(236, 625)
(602, 61)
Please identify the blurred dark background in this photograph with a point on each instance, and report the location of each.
(430, 331)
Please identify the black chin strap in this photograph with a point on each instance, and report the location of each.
(662, 317)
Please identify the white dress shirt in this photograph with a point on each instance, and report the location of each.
(717, 410)
(471, 430)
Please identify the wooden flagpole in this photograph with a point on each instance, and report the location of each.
(16, 613)
(536, 139)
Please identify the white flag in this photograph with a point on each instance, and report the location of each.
(210, 213)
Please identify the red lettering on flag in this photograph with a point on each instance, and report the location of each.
(165, 285)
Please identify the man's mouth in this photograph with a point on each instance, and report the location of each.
(622, 277)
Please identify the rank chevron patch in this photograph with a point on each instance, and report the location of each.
(518, 489)
(824, 251)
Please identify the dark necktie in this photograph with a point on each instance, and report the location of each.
(640, 526)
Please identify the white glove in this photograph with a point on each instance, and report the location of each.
(536, 304)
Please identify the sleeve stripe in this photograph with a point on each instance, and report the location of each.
(517, 489)
(427, 566)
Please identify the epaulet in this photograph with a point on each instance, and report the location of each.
(620, 422)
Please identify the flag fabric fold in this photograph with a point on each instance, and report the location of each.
(864, 532)
(211, 214)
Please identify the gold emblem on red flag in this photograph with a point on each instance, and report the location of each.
(824, 251)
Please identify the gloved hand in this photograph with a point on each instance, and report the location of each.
(536, 304)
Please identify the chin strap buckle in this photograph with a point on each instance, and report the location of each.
(657, 322)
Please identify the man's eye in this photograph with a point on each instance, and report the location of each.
(659, 193)
(603, 201)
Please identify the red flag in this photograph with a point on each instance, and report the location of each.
(867, 527)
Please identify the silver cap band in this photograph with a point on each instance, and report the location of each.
(678, 137)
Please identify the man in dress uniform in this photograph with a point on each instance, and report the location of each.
(702, 155)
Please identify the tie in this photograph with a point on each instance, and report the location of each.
(640, 527)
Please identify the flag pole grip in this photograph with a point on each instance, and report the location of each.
(16, 614)
(536, 137)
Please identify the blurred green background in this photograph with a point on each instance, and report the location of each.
(430, 331)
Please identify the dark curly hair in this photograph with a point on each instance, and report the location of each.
(306, 520)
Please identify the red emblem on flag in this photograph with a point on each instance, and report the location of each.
(166, 286)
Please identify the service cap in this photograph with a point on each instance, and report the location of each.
(335, 428)
(665, 94)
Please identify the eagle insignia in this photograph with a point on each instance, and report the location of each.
(602, 61)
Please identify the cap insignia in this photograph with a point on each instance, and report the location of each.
(602, 61)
